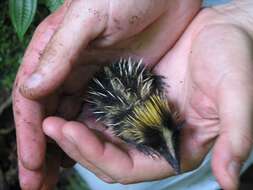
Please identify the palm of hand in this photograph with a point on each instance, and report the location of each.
(195, 97)
(212, 88)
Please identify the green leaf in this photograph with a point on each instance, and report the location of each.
(53, 4)
(22, 13)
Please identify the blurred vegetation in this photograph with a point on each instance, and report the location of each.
(14, 36)
(11, 48)
(16, 30)
(72, 181)
(22, 13)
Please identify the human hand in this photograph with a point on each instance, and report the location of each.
(60, 57)
(209, 74)
(211, 81)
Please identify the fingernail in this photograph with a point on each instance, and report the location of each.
(33, 81)
(234, 171)
(30, 83)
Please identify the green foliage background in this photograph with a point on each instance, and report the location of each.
(11, 49)
(18, 20)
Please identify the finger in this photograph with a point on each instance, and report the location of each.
(53, 127)
(75, 132)
(30, 138)
(80, 25)
(28, 114)
(29, 179)
(235, 141)
(121, 166)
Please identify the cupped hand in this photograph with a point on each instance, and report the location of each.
(61, 58)
(209, 75)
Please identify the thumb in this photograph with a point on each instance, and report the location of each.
(79, 26)
(235, 140)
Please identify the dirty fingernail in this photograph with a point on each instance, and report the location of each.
(33, 81)
(30, 83)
